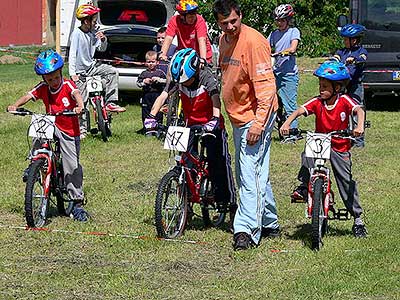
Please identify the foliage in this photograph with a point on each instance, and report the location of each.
(315, 19)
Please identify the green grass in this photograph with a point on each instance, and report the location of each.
(121, 177)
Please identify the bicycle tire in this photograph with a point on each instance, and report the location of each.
(318, 221)
(212, 214)
(108, 125)
(87, 119)
(36, 211)
(101, 123)
(171, 206)
(172, 110)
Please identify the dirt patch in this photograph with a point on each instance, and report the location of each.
(10, 59)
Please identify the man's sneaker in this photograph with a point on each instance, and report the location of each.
(242, 241)
(270, 232)
(79, 213)
(299, 195)
(112, 107)
(359, 231)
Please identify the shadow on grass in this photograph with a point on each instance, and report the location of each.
(303, 233)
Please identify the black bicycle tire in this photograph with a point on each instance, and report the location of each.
(317, 209)
(87, 121)
(108, 125)
(205, 212)
(172, 109)
(160, 203)
(101, 124)
(30, 183)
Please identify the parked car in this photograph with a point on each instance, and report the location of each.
(131, 29)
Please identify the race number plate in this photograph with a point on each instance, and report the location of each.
(94, 84)
(318, 145)
(42, 126)
(177, 138)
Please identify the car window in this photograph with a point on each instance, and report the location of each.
(133, 12)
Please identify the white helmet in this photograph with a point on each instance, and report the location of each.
(283, 11)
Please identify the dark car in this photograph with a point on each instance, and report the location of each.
(131, 29)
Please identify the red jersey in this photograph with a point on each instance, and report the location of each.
(188, 35)
(335, 117)
(58, 101)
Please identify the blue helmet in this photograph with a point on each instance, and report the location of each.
(48, 61)
(352, 30)
(184, 65)
(333, 70)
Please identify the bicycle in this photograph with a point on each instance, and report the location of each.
(186, 184)
(45, 176)
(96, 97)
(320, 197)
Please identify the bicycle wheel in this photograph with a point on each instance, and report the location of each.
(318, 221)
(108, 125)
(36, 201)
(171, 206)
(101, 123)
(172, 110)
(213, 214)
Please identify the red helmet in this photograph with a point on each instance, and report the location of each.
(86, 10)
(186, 6)
(283, 11)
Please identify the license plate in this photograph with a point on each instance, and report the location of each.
(396, 75)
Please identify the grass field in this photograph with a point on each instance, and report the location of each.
(121, 177)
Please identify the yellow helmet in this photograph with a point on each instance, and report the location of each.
(86, 10)
(186, 6)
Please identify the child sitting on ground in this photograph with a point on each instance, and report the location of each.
(332, 110)
(152, 81)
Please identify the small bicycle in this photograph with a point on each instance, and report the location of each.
(186, 184)
(45, 176)
(96, 97)
(320, 197)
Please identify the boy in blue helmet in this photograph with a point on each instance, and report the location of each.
(355, 57)
(201, 105)
(60, 94)
(332, 109)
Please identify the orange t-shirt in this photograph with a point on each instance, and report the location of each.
(248, 83)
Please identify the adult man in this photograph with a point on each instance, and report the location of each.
(249, 94)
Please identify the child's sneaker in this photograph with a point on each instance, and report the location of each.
(112, 107)
(299, 195)
(78, 213)
(359, 231)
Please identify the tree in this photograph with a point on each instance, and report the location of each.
(316, 20)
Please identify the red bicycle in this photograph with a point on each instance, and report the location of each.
(320, 197)
(45, 175)
(188, 183)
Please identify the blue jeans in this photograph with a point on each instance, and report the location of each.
(286, 86)
(257, 207)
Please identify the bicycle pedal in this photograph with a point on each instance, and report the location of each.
(297, 200)
(342, 214)
(94, 130)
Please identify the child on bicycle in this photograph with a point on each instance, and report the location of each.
(284, 42)
(354, 56)
(60, 94)
(152, 81)
(85, 40)
(201, 106)
(191, 30)
(332, 110)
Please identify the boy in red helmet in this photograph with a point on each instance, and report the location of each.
(85, 40)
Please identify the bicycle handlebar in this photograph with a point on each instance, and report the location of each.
(25, 112)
